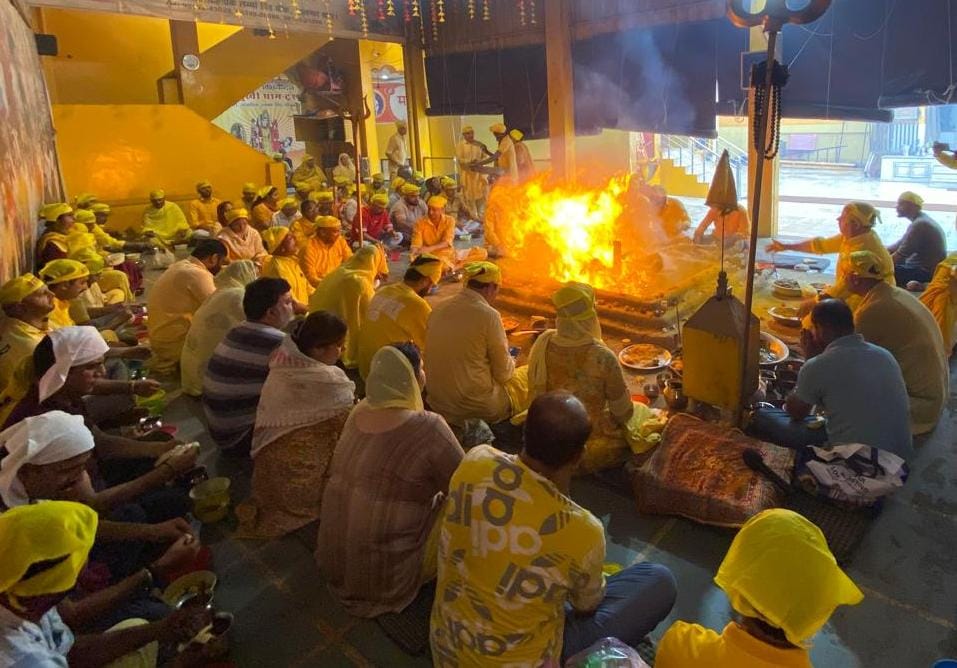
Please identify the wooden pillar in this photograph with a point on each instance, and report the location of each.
(768, 225)
(413, 58)
(561, 95)
(184, 40)
(370, 142)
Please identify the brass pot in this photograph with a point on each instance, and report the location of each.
(674, 395)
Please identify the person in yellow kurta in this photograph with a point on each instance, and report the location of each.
(523, 157)
(894, 319)
(67, 279)
(309, 174)
(174, 298)
(27, 303)
(435, 234)
(242, 241)
(248, 197)
(670, 212)
(940, 296)
(397, 149)
(97, 301)
(504, 156)
(221, 311)
(398, 312)
(283, 262)
(474, 184)
(264, 208)
(471, 373)
(732, 226)
(304, 227)
(58, 221)
(856, 224)
(346, 292)
(783, 584)
(165, 221)
(325, 251)
(202, 210)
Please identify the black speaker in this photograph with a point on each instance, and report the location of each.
(46, 44)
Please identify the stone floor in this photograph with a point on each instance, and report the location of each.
(906, 566)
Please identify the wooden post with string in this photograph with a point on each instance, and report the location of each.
(356, 119)
(772, 19)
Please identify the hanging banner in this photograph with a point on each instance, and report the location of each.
(264, 119)
(278, 16)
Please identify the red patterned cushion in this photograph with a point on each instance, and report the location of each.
(698, 472)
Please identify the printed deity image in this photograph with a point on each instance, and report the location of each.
(264, 119)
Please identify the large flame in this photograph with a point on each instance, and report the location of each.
(572, 232)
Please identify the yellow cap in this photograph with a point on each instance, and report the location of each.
(517, 135)
(400, 124)
(274, 236)
(380, 199)
(497, 128)
(287, 201)
(448, 182)
(235, 214)
(327, 223)
(867, 264)
(301, 186)
(249, 188)
(85, 216)
(85, 199)
(17, 289)
(397, 183)
(321, 196)
(409, 189)
(912, 197)
(467, 128)
(61, 271)
(483, 272)
(437, 201)
(158, 194)
(378, 177)
(53, 211)
(428, 265)
(264, 191)
(100, 207)
(203, 184)
(90, 258)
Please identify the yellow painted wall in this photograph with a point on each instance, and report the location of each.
(210, 34)
(105, 58)
(121, 152)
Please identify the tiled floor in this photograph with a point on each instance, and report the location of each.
(907, 567)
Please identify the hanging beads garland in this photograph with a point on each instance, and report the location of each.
(531, 12)
(471, 6)
(415, 9)
(434, 20)
(390, 8)
(521, 12)
(363, 19)
(440, 4)
(329, 20)
(486, 11)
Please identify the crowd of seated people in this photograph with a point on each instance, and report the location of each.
(356, 403)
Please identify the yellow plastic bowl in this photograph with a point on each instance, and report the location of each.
(210, 500)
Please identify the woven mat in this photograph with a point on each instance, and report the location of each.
(843, 528)
(409, 629)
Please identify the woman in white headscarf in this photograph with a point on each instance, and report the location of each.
(221, 311)
(345, 171)
(573, 357)
(304, 404)
(392, 466)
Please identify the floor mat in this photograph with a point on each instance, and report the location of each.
(409, 629)
(844, 529)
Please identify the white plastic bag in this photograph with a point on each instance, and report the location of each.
(853, 474)
(607, 653)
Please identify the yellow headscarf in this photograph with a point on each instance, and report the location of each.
(447, 182)
(17, 289)
(63, 270)
(392, 383)
(100, 207)
(327, 222)
(483, 272)
(409, 189)
(380, 199)
(577, 319)
(84, 200)
(912, 197)
(321, 196)
(862, 212)
(53, 211)
(365, 260)
(437, 201)
(237, 274)
(866, 264)
(428, 265)
(397, 183)
(779, 569)
(249, 188)
(234, 214)
(263, 192)
(85, 216)
(274, 236)
(497, 128)
(43, 532)
(91, 259)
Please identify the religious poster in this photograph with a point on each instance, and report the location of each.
(388, 89)
(264, 119)
(28, 164)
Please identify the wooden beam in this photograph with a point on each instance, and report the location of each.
(561, 95)
(413, 57)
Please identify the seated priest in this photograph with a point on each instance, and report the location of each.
(923, 245)
(164, 221)
(241, 240)
(435, 234)
(202, 211)
(283, 262)
(324, 251)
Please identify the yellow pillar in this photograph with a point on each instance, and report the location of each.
(768, 224)
(561, 96)
(370, 142)
(420, 145)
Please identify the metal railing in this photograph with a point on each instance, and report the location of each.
(699, 157)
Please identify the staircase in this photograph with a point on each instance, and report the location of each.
(688, 163)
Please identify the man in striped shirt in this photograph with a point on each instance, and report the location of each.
(239, 365)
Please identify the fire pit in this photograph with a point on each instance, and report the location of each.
(606, 236)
